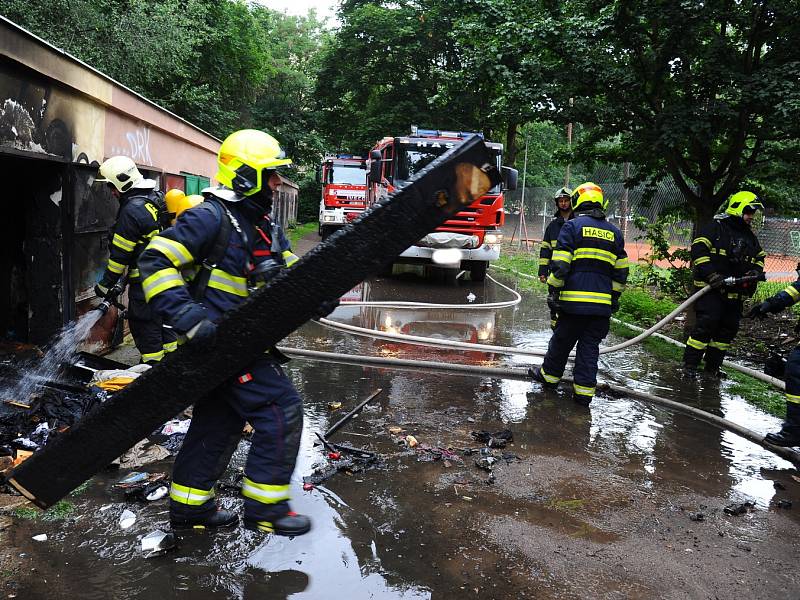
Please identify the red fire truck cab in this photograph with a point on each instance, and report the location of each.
(344, 184)
(468, 240)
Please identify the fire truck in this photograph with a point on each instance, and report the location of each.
(344, 184)
(468, 240)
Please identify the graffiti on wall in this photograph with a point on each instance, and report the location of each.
(136, 146)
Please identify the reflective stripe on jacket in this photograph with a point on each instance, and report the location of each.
(589, 267)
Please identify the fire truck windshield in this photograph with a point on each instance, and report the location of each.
(412, 158)
(347, 174)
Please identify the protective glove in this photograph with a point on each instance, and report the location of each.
(202, 334)
(101, 291)
(615, 301)
(759, 311)
(193, 323)
(716, 281)
(326, 308)
(552, 302)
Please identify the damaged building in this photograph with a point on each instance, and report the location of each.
(59, 118)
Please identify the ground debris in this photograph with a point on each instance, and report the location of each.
(498, 439)
(739, 509)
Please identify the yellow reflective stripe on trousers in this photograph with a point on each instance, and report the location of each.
(702, 259)
(174, 251)
(562, 255)
(225, 282)
(115, 267)
(793, 398)
(289, 257)
(702, 240)
(719, 345)
(191, 496)
(596, 254)
(170, 347)
(579, 296)
(264, 493)
(792, 291)
(696, 344)
(152, 356)
(160, 281)
(583, 390)
(122, 243)
(549, 378)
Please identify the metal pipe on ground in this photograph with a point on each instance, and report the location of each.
(505, 373)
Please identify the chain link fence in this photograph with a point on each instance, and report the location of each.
(778, 235)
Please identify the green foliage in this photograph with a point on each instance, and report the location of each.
(640, 307)
(59, 511)
(676, 278)
(301, 231)
(698, 91)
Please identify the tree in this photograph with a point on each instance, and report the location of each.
(703, 92)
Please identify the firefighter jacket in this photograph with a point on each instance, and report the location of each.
(785, 298)
(170, 263)
(137, 222)
(729, 247)
(549, 243)
(589, 267)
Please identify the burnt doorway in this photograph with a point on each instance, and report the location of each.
(30, 249)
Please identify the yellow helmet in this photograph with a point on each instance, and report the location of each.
(741, 201)
(174, 199)
(243, 157)
(119, 171)
(588, 192)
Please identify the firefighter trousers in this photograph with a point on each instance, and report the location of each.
(716, 324)
(587, 331)
(263, 396)
(153, 340)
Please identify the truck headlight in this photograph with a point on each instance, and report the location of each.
(493, 238)
(328, 218)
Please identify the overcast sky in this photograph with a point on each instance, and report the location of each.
(325, 8)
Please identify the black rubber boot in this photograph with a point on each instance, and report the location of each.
(535, 373)
(290, 524)
(789, 435)
(688, 372)
(582, 399)
(216, 520)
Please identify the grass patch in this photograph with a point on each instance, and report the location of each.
(59, 511)
(80, 489)
(300, 231)
(641, 307)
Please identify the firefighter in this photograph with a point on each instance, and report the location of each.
(140, 217)
(588, 272)
(726, 247)
(233, 249)
(789, 434)
(563, 213)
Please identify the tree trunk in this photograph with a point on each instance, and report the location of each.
(510, 157)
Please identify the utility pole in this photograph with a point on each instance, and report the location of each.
(523, 227)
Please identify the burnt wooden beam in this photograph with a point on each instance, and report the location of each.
(349, 256)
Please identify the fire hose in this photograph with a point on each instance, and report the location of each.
(507, 373)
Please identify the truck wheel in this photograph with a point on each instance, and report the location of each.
(326, 232)
(319, 230)
(477, 270)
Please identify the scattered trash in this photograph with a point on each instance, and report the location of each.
(699, 517)
(334, 455)
(158, 543)
(467, 498)
(42, 537)
(411, 441)
(334, 405)
(485, 462)
(176, 426)
(738, 509)
(143, 453)
(783, 503)
(308, 487)
(130, 478)
(471, 297)
(498, 439)
(126, 519)
(395, 430)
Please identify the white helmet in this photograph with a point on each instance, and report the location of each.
(121, 172)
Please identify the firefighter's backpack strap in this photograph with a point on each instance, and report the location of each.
(200, 282)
